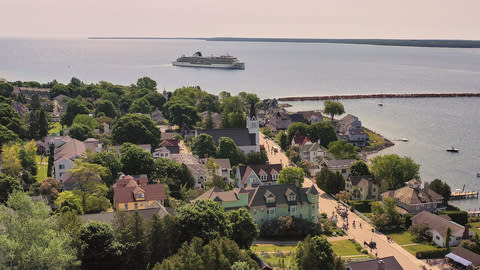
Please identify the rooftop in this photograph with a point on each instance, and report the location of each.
(239, 135)
(438, 223)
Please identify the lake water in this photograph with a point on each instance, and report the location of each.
(298, 69)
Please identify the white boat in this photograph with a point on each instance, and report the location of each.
(453, 150)
(404, 139)
(198, 60)
(380, 104)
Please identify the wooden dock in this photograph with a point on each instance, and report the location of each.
(464, 195)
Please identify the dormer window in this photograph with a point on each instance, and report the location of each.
(269, 197)
(275, 176)
(292, 197)
(270, 200)
(264, 177)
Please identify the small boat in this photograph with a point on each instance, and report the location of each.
(478, 174)
(453, 149)
(404, 139)
(380, 104)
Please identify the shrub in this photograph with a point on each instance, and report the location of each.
(362, 206)
(432, 254)
(418, 232)
(288, 227)
(460, 217)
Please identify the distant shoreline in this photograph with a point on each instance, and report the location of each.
(416, 95)
(436, 43)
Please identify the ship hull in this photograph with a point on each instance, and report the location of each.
(237, 65)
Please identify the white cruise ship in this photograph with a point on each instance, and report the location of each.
(197, 60)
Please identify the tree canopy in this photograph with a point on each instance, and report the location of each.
(314, 253)
(29, 237)
(442, 188)
(394, 170)
(227, 148)
(136, 129)
(75, 107)
(343, 149)
(333, 108)
(359, 168)
(330, 182)
(146, 82)
(135, 160)
(291, 175)
(203, 145)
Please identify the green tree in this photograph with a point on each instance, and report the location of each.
(146, 82)
(99, 250)
(6, 135)
(418, 232)
(329, 181)
(11, 163)
(81, 132)
(385, 214)
(51, 159)
(208, 123)
(267, 132)
(106, 107)
(43, 123)
(75, 107)
(282, 140)
(291, 175)
(333, 108)
(136, 129)
(28, 162)
(29, 238)
(394, 170)
(135, 160)
(448, 238)
(244, 229)
(234, 120)
(359, 168)
(11, 120)
(254, 158)
(227, 148)
(203, 218)
(241, 266)
(208, 103)
(129, 230)
(180, 113)
(175, 175)
(343, 150)
(141, 105)
(8, 185)
(50, 187)
(163, 238)
(87, 120)
(155, 99)
(203, 145)
(300, 127)
(314, 253)
(108, 160)
(322, 131)
(441, 188)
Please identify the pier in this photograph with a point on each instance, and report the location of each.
(417, 95)
(464, 195)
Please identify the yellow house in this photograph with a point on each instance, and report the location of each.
(134, 192)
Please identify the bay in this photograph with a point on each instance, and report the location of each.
(297, 69)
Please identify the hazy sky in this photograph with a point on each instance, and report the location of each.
(443, 19)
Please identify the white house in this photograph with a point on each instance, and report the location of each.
(65, 154)
(437, 228)
(312, 152)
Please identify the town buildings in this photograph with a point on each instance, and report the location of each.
(134, 192)
(349, 128)
(256, 175)
(438, 226)
(415, 199)
(365, 187)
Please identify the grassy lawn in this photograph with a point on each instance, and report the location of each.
(55, 127)
(419, 247)
(42, 168)
(345, 248)
(275, 255)
(402, 238)
(375, 139)
(474, 227)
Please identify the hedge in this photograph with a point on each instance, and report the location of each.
(460, 217)
(362, 206)
(432, 254)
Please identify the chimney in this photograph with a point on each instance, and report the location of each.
(380, 265)
(426, 186)
(466, 232)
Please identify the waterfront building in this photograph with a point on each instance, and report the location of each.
(365, 187)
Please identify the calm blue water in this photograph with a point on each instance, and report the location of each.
(295, 69)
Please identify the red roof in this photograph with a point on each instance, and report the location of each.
(169, 143)
(154, 192)
(300, 139)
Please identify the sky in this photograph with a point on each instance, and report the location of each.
(419, 19)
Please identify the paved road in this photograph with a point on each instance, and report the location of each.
(327, 204)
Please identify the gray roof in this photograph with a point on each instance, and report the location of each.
(409, 195)
(239, 135)
(224, 163)
(390, 263)
(336, 164)
(311, 147)
(72, 149)
(356, 179)
(147, 214)
(467, 254)
(279, 191)
(437, 223)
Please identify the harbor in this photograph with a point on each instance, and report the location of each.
(464, 195)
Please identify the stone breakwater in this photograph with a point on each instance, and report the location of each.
(418, 95)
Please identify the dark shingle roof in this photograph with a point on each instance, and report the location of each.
(239, 135)
(279, 191)
(390, 263)
(437, 223)
(467, 254)
(267, 168)
(356, 179)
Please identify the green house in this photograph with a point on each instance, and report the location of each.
(269, 202)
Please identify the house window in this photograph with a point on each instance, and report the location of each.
(344, 170)
(373, 189)
(293, 210)
(146, 203)
(291, 197)
(126, 206)
(271, 211)
(270, 200)
(264, 177)
(61, 167)
(275, 176)
(136, 205)
(437, 237)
